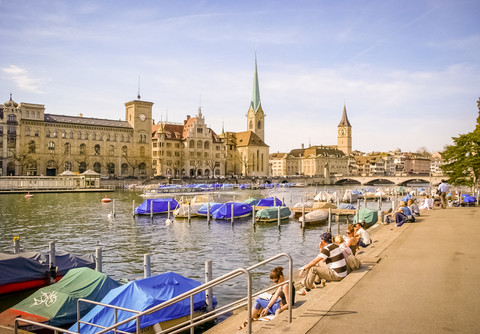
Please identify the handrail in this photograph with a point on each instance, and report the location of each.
(191, 323)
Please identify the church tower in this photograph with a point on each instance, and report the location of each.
(255, 115)
(344, 138)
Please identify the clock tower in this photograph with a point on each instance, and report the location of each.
(344, 137)
(255, 114)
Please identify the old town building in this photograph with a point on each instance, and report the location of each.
(33, 142)
(187, 149)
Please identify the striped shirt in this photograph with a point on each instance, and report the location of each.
(334, 259)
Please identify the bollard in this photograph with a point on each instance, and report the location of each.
(379, 204)
(356, 215)
(278, 215)
(98, 259)
(208, 292)
(133, 208)
(189, 212)
(51, 253)
(358, 203)
(380, 215)
(253, 215)
(291, 198)
(151, 210)
(393, 205)
(146, 265)
(16, 245)
(168, 210)
(231, 218)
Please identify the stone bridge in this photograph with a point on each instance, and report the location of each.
(394, 180)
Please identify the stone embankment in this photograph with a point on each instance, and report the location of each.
(418, 278)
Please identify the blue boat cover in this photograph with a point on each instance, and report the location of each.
(141, 295)
(252, 201)
(213, 208)
(22, 267)
(468, 199)
(225, 210)
(270, 201)
(159, 205)
(346, 206)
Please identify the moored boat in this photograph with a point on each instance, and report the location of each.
(269, 201)
(28, 195)
(156, 206)
(56, 304)
(186, 210)
(204, 209)
(315, 216)
(270, 214)
(240, 210)
(141, 295)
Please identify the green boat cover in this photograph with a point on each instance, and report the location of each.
(272, 213)
(58, 302)
(368, 216)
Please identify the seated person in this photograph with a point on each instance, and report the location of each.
(426, 203)
(362, 235)
(279, 302)
(350, 239)
(352, 262)
(413, 207)
(407, 212)
(330, 264)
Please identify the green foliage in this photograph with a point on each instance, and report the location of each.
(462, 159)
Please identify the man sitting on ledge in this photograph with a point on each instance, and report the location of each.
(330, 264)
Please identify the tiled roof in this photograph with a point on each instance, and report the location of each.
(249, 138)
(85, 121)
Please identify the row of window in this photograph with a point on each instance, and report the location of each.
(191, 144)
(82, 167)
(82, 149)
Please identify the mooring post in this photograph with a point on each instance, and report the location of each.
(208, 212)
(303, 217)
(357, 214)
(168, 210)
(329, 230)
(189, 212)
(16, 245)
(133, 208)
(253, 215)
(278, 217)
(231, 218)
(98, 259)
(208, 292)
(146, 265)
(51, 254)
(113, 208)
(393, 205)
(151, 210)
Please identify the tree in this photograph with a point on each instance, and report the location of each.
(23, 157)
(462, 159)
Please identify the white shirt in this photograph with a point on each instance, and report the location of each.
(364, 236)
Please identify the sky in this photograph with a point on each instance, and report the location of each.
(407, 71)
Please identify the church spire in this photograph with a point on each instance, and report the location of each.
(344, 121)
(256, 89)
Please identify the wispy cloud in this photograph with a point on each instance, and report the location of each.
(22, 79)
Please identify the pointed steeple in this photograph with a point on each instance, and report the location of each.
(344, 121)
(255, 103)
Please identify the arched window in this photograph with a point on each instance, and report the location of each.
(47, 133)
(111, 150)
(83, 149)
(86, 135)
(191, 144)
(66, 148)
(127, 139)
(122, 139)
(124, 169)
(142, 151)
(114, 137)
(31, 146)
(94, 136)
(206, 145)
(111, 168)
(97, 149)
(97, 167)
(82, 167)
(27, 131)
(259, 125)
(199, 144)
(79, 135)
(142, 168)
(64, 134)
(250, 126)
(71, 134)
(108, 137)
(51, 146)
(37, 132)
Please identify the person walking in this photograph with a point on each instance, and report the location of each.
(443, 190)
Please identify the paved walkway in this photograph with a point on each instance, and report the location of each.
(419, 278)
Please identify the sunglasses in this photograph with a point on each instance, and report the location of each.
(275, 281)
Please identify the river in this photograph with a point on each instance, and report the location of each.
(80, 222)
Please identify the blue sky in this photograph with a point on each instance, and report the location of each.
(408, 71)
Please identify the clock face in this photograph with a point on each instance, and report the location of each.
(143, 117)
(341, 132)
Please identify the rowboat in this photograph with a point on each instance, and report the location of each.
(315, 216)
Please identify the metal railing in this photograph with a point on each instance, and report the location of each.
(193, 321)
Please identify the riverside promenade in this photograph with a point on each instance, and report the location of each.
(422, 277)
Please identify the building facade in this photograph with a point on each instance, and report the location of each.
(33, 142)
(190, 149)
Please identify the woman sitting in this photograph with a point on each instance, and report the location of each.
(413, 207)
(279, 302)
(350, 239)
(426, 203)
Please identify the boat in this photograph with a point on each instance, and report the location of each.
(106, 199)
(269, 201)
(270, 214)
(203, 210)
(28, 195)
(186, 210)
(29, 270)
(368, 216)
(315, 216)
(252, 201)
(157, 205)
(141, 295)
(350, 196)
(240, 210)
(56, 304)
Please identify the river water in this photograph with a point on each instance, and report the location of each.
(80, 222)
